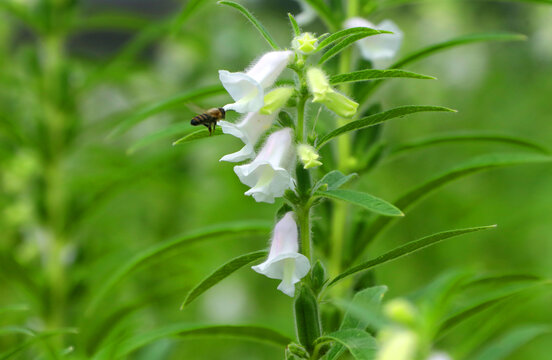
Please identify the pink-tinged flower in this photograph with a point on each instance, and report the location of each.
(247, 88)
(249, 130)
(379, 49)
(284, 260)
(269, 175)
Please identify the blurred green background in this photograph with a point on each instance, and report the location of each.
(76, 203)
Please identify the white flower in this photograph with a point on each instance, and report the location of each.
(269, 174)
(247, 88)
(284, 261)
(249, 130)
(379, 49)
(439, 355)
(307, 14)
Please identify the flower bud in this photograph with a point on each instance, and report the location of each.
(276, 99)
(401, 311)
(319, 86)
(305, 43)
(308, 156)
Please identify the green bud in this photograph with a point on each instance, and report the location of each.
(319, 86)
(318, 274)
(401, 311)
(308, 156)
(276, 99)
(305, 43)
(297, 351)
(307, 320)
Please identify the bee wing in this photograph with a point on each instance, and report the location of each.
(194, 108)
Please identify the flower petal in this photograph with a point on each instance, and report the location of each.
(246, 91)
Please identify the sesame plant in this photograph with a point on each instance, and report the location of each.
(312, 130)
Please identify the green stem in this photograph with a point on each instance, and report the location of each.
(301, 124)
(303, 216)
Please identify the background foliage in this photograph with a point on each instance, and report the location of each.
(73, 73)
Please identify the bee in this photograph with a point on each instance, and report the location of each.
(209, 119)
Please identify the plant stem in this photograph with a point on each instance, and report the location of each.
(301, 124)
(303, 217)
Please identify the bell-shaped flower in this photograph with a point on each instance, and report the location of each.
(379, 49)
(308, 156)
(284, 260)
(269, 175)
(247, 88)
(319, 86)
(249, 130)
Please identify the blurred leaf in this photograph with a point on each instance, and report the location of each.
(146, 111)
(241, 228)
(196, 135)
(254, 21)
(364, 303)
(501, 279)
(338, 35)
(254, 333)
(378, 119)
(467, 137)
(507, 344)
(15, 330)
(391, 3)
(487, 301)
(373, 74)
(485, 162)
(112, 21)
(325, 13)
(294, 25)
(36, 337)
(222, 273)
(408, 248)
(168, 132)
(190, 7)
(364, 200)
(14, 308)
(361, 345)
(334, 179)
(345, 43)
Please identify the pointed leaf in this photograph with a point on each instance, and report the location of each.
(367, 201)
(502, 348)
(334, 179)
(407, 249)
(222, 273)
(345, 43)
(294, 25)
(374, 74)
(197, 135)
(169, 132)
(360, 344)
(256, 23)
(474, 165)
(338, 35)
(141, 258)
(468, 137)
(253, 333)
(378, 119)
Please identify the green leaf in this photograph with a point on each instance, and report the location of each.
(149, 254)
(222, 273)
(367, 201)
(324, 12)
(348, 41)
(149, 110)
(392, 3)
(198, 134)
(374, 74)
(488, 301)
(472, 166)
(253, 20)
(338, 35)
(16, 330)
(502, 348)
(294, 25)
(360, 344)
(364, 301)
(468, 137)
(14, 308)
(378, 119)
(462, 40)
(168, 132)
(407, 249)
(36, 337)
(190, 7)
(253, 333)
(334, 179)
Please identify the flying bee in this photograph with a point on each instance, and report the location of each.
(209, 119)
